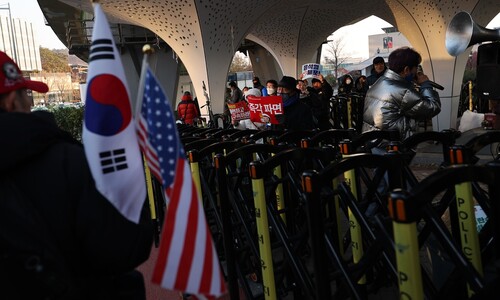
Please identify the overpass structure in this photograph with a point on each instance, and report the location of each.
(282, 35)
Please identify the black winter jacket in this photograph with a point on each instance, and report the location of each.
(296, 116)
(50, 169)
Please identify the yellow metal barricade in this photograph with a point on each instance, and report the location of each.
(153, 207)
(355, 228)
(264, 238)
(149, 185)
(280, 197)
(195, 173)
(466, 217)
(335, 183)
(407, 249)
(304, 143)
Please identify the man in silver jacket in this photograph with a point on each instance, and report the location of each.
(394, 102)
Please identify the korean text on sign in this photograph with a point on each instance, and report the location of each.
(265, 109)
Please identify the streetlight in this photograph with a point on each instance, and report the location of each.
(320, 50)
(13, 37)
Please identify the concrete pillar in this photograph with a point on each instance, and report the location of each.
(166, 68)
(264, 65)
(163, 64)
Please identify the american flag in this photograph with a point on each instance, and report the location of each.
(187, 259)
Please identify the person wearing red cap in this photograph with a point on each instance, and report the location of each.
(187, 110)
(13, 87)
(77, 243)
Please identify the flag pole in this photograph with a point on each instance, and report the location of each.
(146, 50)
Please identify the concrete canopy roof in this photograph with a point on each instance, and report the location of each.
(206, 33)
(214, 30)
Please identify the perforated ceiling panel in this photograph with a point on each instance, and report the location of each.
(224, 25)
(284, 41)
(175, 21)
(304, 27)
(205, 33)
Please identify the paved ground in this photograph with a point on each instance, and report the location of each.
(431, 153)
(155, 292)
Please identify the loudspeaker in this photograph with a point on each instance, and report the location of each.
(488, 70)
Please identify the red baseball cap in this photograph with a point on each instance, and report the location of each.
(11, 77)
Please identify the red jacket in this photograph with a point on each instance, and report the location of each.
(186, 111)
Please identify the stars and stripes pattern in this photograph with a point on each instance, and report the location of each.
(187, 258)
(158, 137)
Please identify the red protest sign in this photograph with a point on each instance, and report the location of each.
(265, 109)
(239, 111)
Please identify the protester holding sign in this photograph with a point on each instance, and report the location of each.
(296, 114)
(324, 91)
(240, 113)
(271, 88)
(310, 70)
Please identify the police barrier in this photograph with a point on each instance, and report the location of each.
(294, 244)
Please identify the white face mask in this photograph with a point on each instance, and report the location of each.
(271, 91)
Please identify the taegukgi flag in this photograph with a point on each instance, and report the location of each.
(109, 134)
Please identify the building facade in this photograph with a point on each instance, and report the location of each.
(19, 40)
(385, 42)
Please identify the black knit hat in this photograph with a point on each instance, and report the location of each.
(288, 82)
(378, 60)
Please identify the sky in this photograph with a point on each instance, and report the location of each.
(369, 26)
(356, 45)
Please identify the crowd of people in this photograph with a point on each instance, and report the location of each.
(313, 107)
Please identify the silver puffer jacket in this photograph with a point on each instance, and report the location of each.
(393, 103)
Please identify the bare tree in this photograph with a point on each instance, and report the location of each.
(50, 80)
(62, 85)
(334, 54)
(240, 63)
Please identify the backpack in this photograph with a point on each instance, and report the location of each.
(31, 266)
